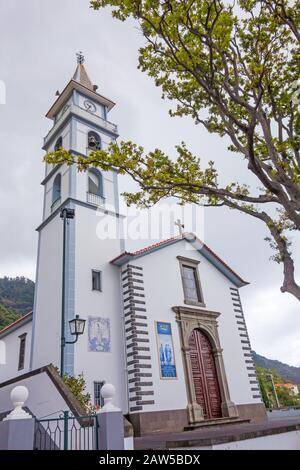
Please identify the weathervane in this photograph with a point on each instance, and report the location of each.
(80, 57)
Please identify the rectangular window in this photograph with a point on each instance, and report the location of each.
(22, 351)
(96, 280)
(191, 282)
(98, 400)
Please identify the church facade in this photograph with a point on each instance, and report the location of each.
(164, 324)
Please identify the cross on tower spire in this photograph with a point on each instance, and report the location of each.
(80, 57)
(80, 75)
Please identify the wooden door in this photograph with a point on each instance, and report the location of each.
(205, 375)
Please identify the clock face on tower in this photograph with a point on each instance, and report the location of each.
(89, 106)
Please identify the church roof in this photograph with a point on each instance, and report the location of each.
(81, 76)
(16, 324)
(82, 83)
(200, 246)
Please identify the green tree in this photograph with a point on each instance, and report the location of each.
(17, 294)
(264, 388)
(7, 316)
(233, 68)
(77, 385)
(267, 392)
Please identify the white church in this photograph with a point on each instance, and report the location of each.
(164, 324)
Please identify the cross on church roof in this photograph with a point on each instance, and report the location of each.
(80, 57)
(180, 226)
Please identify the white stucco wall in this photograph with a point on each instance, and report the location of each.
(90, 253)
(11, 347)
(163, 290)
(47, 320)
(82, 137)
(99, 108)
(43, 400)
(94, 253)
(66, 136)
(64, 171)
(63, 110)
(80, 142)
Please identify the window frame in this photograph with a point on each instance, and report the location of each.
(98, 139)
(100, 398)
(22, 351)
(98, 272)
(191, 263)
(56, 194)
(58, 144)
(99, 176)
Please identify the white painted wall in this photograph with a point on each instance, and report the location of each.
(163, 290)
(44, 399)
(48, 296)
(63, 110)
(99, 107)
(12, 347)
(66, 136)
(94, 253)
(90, 253)
(108, 188)
(65, 188)
(82, 137)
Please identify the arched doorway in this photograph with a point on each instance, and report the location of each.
(205, 378)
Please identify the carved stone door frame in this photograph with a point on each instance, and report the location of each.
(189, 319)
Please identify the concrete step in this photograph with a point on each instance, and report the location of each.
(210, 423)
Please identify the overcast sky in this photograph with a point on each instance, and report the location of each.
(38, 42)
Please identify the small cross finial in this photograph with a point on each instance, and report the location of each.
(180, 226)
(80, 57)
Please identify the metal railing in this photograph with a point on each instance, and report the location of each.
(95, 199)
(58, 121)
(67, 432)
(110, 126)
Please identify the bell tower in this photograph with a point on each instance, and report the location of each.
(80, 124)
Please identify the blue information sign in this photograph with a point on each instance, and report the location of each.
(165, 350)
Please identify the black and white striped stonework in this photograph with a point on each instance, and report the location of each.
(246, 346)
(137, 339)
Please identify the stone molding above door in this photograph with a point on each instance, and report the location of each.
(189, 319)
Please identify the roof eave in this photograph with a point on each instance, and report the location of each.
(199, 246)
(66, 93)
(17, 324)
(216, 260)
(123, 258)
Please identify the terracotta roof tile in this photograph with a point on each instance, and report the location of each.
(15, 322)
(187, 236)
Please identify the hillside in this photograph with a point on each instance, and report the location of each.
(7, 316)
(289, 373)
(16, 299)
(17, 294)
